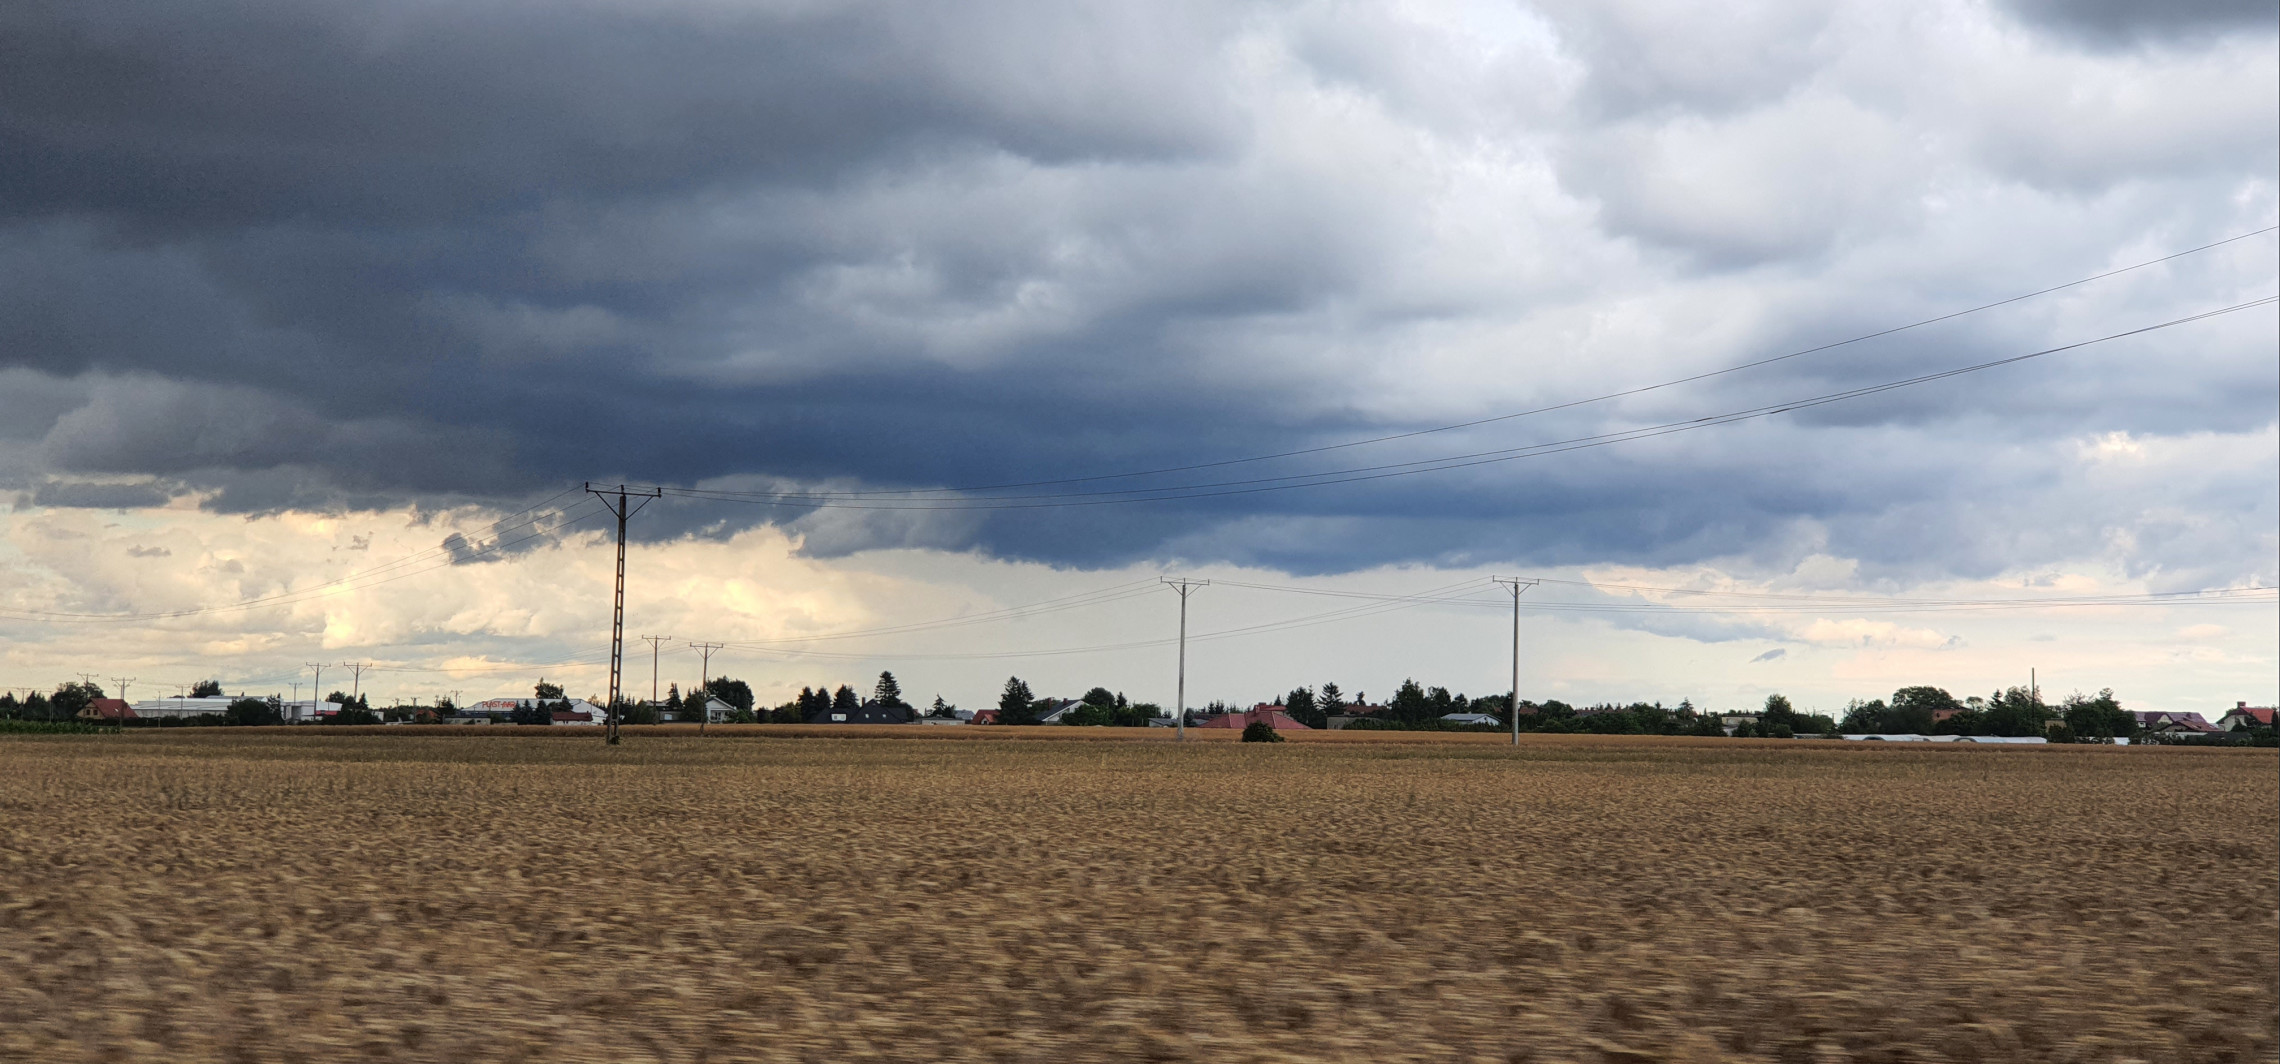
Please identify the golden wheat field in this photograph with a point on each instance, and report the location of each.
(299, 896)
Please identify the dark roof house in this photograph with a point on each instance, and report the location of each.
(2167, 721)
(870, 712)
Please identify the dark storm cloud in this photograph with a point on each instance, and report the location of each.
(100, 496)
(2121, 21)
(296, 256)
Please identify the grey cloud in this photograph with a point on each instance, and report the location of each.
(1775, 654)
(363, 255)
(2112, 22)
(101, 495)
(149, 552)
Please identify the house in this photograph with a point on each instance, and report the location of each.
(2166, 721)
(870, 712)
(1272, 714)
(1060, 708)
(984, 716)
(573, 716)
(1470, 718)
(1732, 721)
(2244, 716)
(108, 710)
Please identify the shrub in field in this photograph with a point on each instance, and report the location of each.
(1259, 731)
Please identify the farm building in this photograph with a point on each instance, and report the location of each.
(1470, 718)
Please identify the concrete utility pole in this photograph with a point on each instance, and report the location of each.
(316, 684)
(356, 690)
(653, 641)
(704, 685)
(122, 681)
(619, 509)
(1185, 587)
(1515, 585)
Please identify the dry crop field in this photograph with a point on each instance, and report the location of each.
(301, 896)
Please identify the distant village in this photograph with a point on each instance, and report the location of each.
(1913, 714)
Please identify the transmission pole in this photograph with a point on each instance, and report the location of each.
(621, 509)
(1185, 587)
(1515, 585)
(356, 689)
(704, 685)
(653, 641)
(122, 681)
(316, 684)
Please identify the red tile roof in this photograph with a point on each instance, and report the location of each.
(109, 709)
(1271, 714)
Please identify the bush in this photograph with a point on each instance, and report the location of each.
(1259, 731)
(47, 727)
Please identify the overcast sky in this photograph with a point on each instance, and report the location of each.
(290, 292)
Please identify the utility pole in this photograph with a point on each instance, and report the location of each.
(704, 685)
(356, 690)
(1515, 585)
(620, 510)
(1185, 587)
(122, 681)
(316, 684)
(653, 641)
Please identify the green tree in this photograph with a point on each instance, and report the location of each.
(1100, 696)
(356, 712)
(1410, 704)
(206, 689)
(941, 710)
(2100, 719)
(1016, 705)
(736, 693)
(254, 711)
(844, 700)
(888, 693)
(1872, 717)
(1778, 719)
(70, 698)
(1302, 707)
(2017, 711)
(1259, 731)
(548, 692)
(1330, 700)
(1917, 709)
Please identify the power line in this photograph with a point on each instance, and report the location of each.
(1216, 489)
(1624, 393)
